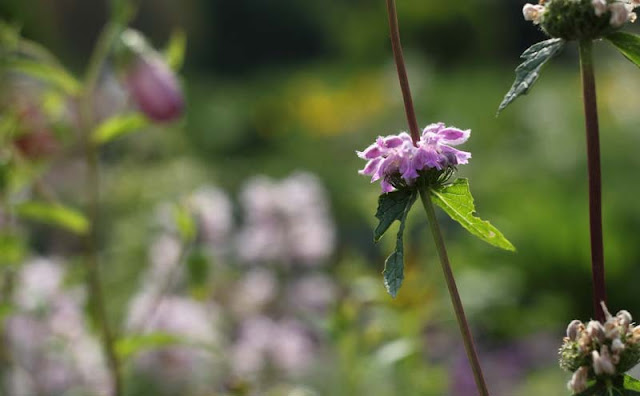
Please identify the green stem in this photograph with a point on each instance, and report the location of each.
(469, 346)
(94, 278)
(595, 179)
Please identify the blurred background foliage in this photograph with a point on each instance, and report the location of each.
(275, 87)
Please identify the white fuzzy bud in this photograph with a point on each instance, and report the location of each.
(633, 17)
(602, 364)
(599, 7)
(624, 318)
(619, 14)
(574, 329)
(533, 13)
(578, 382)
(617, 346)
(596, 330)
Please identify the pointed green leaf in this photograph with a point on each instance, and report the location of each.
(129, 346)
(117, 126)
(394, 206)
(174, 53)
(456, 200)
(528, 71)
(49, 73)
(628, 44)
(631, 386)
(54, 214)
(391, 207)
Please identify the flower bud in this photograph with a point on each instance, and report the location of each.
(599, 7)
(578, 381)
(149, 80)
(619, 14)
(533, 13)
(596, 330)
(574, 328)
(624, 318)
(617, 346)
(602, 364)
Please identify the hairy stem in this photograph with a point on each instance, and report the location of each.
(595, 181)
(396, 46)
(469, 346)
(94, 278)
(428, 206)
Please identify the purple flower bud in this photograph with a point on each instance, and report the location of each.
(154, 88)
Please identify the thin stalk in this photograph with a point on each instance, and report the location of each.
(469, 346)
(94, 278)
(595, 180)
(428, 206)
(396, 46)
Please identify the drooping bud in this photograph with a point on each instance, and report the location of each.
(596, 330)
(574, 328)
(149, 80)
(602, 364)
(599, 7)
(624, 317)
(619, 14)
(533, 13)
(617, 346)
(578, 382)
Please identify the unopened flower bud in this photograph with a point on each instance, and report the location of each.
(596, 330)
(150, 81)
(584, 342)
(533, 13)
(624, 318)
(599, 6)
(619, 14)
(578, 382)
(602, 364)
(612, 329)
(574, 328)
(617, 346)
(633, 17)
(635, 335)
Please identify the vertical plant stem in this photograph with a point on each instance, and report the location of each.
(469, 345)
(396, 46)
(94, 278)
(428, 206)
(595, 180)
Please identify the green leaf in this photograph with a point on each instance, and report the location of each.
(528, 71)
(129, 346)
(55, 214)
(628, 44)
(49, 73)
(12, 249)
(394, 206)
(456, 200)
(117, 126)
(391, 207)
(174, 53)
(631, 386)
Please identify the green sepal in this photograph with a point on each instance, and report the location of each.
(628, 44)
(391, 207)
(528, 71)
(456, 200)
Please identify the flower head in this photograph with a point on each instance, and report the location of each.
(396, 157)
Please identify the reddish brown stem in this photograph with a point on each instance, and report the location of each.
(595, 179)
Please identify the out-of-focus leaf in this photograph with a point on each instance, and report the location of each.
(185, 223)
(456, 200)
(528, 71)
(391, 207)
(118, 126)
(46, 72)
(54, 214)
(631, 386)
(198, 269)
(628, 44)
(174, 53)
(129, 346)
(12, 249)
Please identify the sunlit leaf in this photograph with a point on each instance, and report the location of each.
(391, 207)
(46, 72)
(129, 346)
(631, 386)
(528, 71)
(628, 44)
(174, 53)
(54, 214)
(12, 249)
(117, 126)
(456, 200)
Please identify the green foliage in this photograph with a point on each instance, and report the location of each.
(391, 207)
(12, 249)
(54, 214)
(175, 50)
(628, 44)
(631, 385)
(129, 346)
(117, 126)
(51, 74)
(621, 386)
(528, 71)
(456, 200)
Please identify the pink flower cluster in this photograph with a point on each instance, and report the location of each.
(396, 155)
